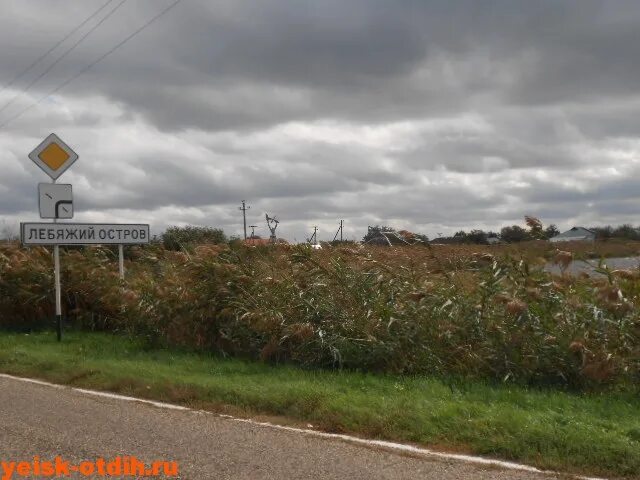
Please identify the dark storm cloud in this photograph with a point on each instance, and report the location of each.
(433, 114)
(381, 61)
(354, 60)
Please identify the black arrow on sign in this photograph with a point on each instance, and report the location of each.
(59, 204)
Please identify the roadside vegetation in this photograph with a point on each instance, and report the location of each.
(471, 347)
(418, 310)
(597, 434)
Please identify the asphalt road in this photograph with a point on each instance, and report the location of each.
(45, 421)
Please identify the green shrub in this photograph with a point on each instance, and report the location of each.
(178, 238)
(411, 311)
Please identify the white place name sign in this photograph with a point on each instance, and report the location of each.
(83, 234)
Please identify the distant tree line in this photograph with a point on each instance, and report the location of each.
(536, 231)
(178, 238)
(625, 231)
(508, 234)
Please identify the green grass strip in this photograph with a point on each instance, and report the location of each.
(596, 434)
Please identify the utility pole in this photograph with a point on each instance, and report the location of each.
(340, 229)
(253, 231)
(244, 209)
(272, 224)
(314, 238)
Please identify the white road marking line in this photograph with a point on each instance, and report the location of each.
(32, 380)
(115, 396)
(336, 436)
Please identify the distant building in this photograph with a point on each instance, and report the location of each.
(387, 239)
(463, 240)
(576, 234)
(446, 241)
(256, 241)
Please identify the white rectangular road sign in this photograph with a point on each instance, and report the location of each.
(56, 200)
(83, 234)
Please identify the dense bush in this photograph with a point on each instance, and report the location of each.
(179, 238)
(406, 310)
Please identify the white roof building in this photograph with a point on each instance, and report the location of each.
(576, 234)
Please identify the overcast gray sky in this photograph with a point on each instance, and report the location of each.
(430, 116)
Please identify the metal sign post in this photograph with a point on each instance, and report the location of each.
(121, 260)
(54, 157)
(56, 276)
(56, 266)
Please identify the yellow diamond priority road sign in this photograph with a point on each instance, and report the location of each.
(53, 156)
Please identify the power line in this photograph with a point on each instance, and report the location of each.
(63, 56)
(56, 45)
(85, 69)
